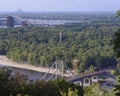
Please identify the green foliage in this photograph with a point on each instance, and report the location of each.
(118, 67)
(4, 79)
(108, 93)
(116, 47)
(70, 93)
(116, 42)
(66, 88)
(19, 85)
(117, 86)
(118, 12)
(89, 43)
(91, 69)
(92, 90)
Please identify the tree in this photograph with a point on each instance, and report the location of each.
(68, 89)
(75, 65)
(107, 93)
(4, 79)
(118, 67)
(91, 69)
(17, 84)
(116, 42)
(92, 90)
(70, 92)
(118, 12)
(81, 41)
(117, 87)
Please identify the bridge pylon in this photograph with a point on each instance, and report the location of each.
(58, 70)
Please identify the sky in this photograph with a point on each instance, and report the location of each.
(60, 5)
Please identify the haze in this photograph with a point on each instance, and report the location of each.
(60, 5)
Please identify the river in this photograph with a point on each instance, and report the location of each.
(45, 22)
(32, 75)
(33, 72)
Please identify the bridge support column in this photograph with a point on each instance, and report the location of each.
(10, 21)
(24, 24)
(94, 79)
(86, 82)
(79, 83)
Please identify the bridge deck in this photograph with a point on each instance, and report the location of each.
(87, 75)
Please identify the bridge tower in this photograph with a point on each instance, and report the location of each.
(10, 21)
(58, 69)
(59, 66)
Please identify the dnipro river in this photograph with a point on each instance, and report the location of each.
(32, 75)
(55, 22)
(48, 22)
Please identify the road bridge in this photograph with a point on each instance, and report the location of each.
(13, 20)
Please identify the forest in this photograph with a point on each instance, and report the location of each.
(90, 43)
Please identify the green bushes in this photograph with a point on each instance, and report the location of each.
(19, 85)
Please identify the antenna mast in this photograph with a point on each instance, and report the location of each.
(60, 36)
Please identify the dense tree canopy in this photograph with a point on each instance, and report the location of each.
(116, 42)
(89, 43)
(117, 86)
(118, 12)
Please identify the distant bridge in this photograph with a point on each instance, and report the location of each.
(13, 20)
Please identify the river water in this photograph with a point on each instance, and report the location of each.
(45, 22)
(32, 75)
(53, 22)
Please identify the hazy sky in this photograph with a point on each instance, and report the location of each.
(60, 5)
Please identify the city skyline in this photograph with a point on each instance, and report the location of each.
(60, 5)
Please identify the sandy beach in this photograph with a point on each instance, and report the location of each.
(4, 61)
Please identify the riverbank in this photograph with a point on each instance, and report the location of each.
(4, 61)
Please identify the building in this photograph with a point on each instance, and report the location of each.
(10, 21)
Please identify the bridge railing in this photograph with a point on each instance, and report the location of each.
(89, 74)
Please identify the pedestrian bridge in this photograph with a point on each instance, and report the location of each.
(59, 69)
(88, 79)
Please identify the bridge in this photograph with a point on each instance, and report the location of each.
(12, 20)
(88, 79)
(60, 69)
(56, 70)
